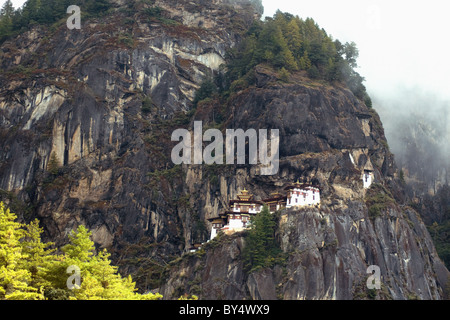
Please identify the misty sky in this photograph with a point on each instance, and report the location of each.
(400, 42)
(404, 57)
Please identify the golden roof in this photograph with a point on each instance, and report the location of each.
(245, 195)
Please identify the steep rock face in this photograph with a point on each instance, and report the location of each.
(329, 252)
(328, 137)
(78, 95)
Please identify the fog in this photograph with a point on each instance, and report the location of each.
(403, 55)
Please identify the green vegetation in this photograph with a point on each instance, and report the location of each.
(261, 249)
(284, 75)
(43, 12)
(441, 238)
(155, 14)
(435, 212)
(362, 292)
(53, 164)
(126, 39)
(30, 270)
(147, 105)
(206, 90)
(378, 199)
(168, 174)
(289, 42)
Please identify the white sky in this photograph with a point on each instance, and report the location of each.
(401, 43)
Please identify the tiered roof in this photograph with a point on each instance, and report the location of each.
(298, 185)
(246, 198)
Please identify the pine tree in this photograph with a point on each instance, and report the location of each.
(293, 38)
(284, 75)
(351, 54)
(6, 22)
(13, 279)
(304, 62)
(40, 258)
(331, 70)
(53, 164)
(260, 247)
(313, 72)
(99, 279)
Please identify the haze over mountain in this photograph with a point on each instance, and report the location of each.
(404, 61)
(86, 118)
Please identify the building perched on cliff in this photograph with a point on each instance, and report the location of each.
(299, 195)
(238, 217)
(367, 178)
(242, 208)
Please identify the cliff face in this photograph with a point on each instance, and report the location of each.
(78, 95)
(327, 137)
(329, 252)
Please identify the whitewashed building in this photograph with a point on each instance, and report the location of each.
(239, 215)
(238, 218)
(367, 178)
(302, 194)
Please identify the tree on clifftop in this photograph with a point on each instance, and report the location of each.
(261, 249)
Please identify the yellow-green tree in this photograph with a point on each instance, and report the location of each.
(293, 38)
(29, 269)
(304, 62)
(14, 278)
(40, 258)
(99, 279)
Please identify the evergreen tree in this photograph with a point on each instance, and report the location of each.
(206, 90)
(99, 279)
(284, 75)
(275, 47)
(53, 164)
(351, 54)
(331, 70)
(14, 280)
(293, 38)
(6, 20)
(7, 10)
(40, 259)
(304, 62)
(261, 249)
(313, 72)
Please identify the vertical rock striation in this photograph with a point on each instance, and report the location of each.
(103, 102)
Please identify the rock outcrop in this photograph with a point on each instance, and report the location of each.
(328, 252)
(77, 97)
